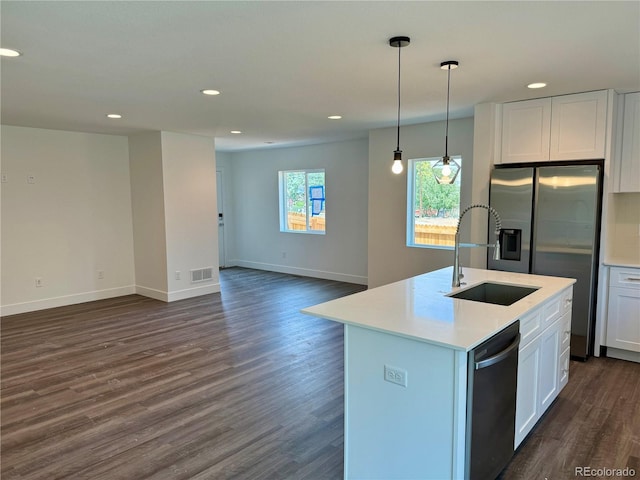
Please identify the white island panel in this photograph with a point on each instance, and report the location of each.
(397, 432)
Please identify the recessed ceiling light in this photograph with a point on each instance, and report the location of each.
(334, 117)
(114, 115)
(236, 132)
(209, 91)
(537, 85)
(7, 52)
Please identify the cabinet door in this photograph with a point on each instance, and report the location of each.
(578, 126)
(628, 171)
(525, 131)
(549, 357)
(527, 403)
(563, 373)
(565, 331)
(623, 319)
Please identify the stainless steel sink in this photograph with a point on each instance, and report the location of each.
(496, 293)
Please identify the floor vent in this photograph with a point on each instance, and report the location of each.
(201, 274)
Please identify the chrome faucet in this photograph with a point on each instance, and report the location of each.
(457, 269)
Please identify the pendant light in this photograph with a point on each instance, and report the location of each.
(397, 167)
(446, 170)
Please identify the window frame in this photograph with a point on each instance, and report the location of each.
(282, 200)
(411, 207)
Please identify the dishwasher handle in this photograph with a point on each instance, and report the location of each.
(498, 357)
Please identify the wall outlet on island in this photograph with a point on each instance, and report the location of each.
(395, 375)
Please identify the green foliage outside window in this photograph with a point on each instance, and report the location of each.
(432, 199)
(296, 208)
(432, 209)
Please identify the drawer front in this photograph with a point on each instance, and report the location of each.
(565, 331)
(624, 277)
(563, 367)
(567, 301)
(552, 311)
(530, 326)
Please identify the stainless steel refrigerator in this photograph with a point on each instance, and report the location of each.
(551, 226)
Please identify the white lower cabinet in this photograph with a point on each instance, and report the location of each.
(549, 360)
(527, 404)
(563, 373)
(543, 363)
(623, 310)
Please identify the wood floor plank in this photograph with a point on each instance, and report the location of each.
(237, 385)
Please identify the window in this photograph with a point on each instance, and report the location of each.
(302, 201)
(433, 209)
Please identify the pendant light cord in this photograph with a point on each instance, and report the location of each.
(446, 134)
(398, 135)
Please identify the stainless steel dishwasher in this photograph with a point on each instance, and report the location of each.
(491, 404)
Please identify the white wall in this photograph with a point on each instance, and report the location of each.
(72, 222)
(389, 258)
(624, 228)
(191, 215)
(147, 197)
(255, 239)
(173, 184)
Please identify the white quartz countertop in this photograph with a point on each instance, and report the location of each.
(418, 307)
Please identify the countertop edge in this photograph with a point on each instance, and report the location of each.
(464, 336)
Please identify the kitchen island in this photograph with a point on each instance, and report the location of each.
(406, 364)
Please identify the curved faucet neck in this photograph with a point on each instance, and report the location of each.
(491, 210)
(457, 270)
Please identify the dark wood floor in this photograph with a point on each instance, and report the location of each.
(238, 385)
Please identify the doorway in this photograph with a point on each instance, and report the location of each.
(220, 202)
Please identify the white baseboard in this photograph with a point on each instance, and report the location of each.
(623, 354)
(304, 272)
(193, 292)
(178, 294)
(152, 293)
(33, 306)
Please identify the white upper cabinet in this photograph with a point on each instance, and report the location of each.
(578, 126)
(526, 129)
(568, 127)
(627, 174)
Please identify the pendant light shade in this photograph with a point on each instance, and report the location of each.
(446, 170)
(397, 167)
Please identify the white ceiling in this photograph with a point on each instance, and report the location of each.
(284, 66)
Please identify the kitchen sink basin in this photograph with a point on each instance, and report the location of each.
(496, 293)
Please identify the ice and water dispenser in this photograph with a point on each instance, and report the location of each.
(510, 243)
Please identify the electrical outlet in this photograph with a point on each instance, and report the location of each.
(284, 254)
(177, 274)
(395, 375)
(5, 178)
(100, 274)
(39, 282)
